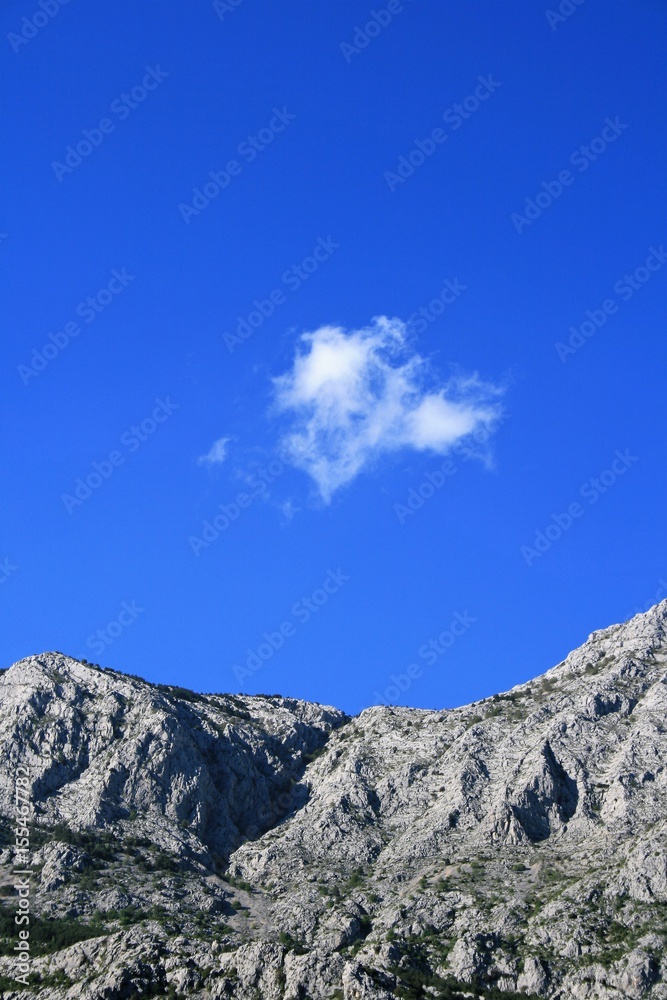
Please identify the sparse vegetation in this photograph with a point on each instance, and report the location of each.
(47, 935)
(36, 981)
(291, 944)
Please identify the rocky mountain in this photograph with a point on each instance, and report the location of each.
(264, 848)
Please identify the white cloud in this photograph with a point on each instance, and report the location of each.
(352, 395)
(217, 454)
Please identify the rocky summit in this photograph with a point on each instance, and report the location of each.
(265, 848)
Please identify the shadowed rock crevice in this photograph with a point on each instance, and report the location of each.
(549, 799)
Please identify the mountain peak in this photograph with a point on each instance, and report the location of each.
(266, 847)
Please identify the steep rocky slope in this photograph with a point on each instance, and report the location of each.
(262, 847)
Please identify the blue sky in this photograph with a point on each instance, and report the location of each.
(334, 353)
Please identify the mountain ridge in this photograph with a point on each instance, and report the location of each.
(267, 847)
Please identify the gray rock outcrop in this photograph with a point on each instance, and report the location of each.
(264, 847)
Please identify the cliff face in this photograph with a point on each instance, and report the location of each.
(263, 847)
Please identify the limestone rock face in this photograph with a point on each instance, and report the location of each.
(263, 847)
